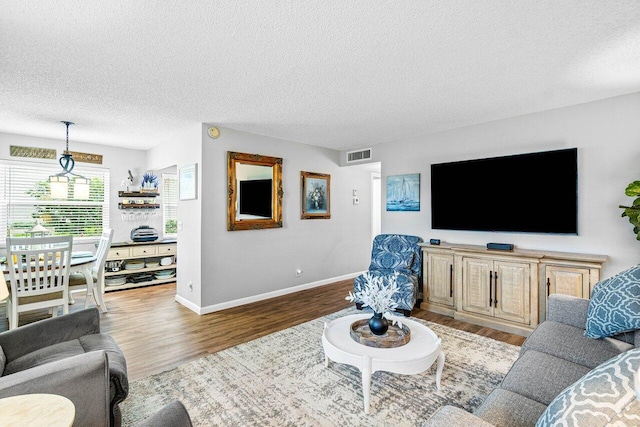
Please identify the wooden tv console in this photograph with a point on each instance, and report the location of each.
(504, 290)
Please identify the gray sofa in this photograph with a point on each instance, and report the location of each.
(553, 357)
(67, 355)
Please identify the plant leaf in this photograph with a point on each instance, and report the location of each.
(633, 189)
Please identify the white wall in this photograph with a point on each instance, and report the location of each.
(224, 266)
(607, 135)
(242, 264)
(218, 267)
(184, 149)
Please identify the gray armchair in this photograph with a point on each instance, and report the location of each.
(172, 414)
(67, 355)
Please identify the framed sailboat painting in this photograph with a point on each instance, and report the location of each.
(403, 192)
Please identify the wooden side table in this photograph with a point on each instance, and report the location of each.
(36, 410)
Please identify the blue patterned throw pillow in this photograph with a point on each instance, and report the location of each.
(603, 397)
(615, 305)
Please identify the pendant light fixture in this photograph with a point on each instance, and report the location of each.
(59, 183)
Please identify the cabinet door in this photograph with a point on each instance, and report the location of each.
(512, 291)
(440, 279)
(567, 280)
(475, 285)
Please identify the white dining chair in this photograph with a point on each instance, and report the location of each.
(38, 274)
(78, 281)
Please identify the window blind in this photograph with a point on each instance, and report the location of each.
(25, 198)
(170, 204)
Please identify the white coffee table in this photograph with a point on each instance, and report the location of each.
(415, 357)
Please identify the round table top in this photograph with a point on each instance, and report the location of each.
(37, 410)
(423, 340)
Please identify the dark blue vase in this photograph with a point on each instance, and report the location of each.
(378, 324)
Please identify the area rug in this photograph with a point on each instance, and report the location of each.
(281, 380)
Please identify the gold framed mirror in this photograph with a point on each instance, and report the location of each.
(254, 191)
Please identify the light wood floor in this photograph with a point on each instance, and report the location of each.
(156, 333)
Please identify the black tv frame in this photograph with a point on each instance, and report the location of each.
(526, 193)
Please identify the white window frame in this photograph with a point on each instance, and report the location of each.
(169, 200)
(9, 169)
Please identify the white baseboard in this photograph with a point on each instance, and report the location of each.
(247, 300)
(191, 306)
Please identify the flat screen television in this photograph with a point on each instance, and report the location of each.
(530, 193)
(255, 197)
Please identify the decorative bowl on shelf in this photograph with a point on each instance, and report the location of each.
(152, 262)
(134, 265)
(165, 274)
(115, 281)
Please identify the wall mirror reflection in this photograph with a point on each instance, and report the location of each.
(254, 191)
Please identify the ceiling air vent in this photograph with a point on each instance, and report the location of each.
(356, 156)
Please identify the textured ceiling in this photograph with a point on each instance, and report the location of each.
(333, 73)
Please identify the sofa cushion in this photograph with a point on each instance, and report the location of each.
(561, 340)
(540, 376)
(603, 397)
(568, 309)
(508, 409)
(615, 305)
(44, 355)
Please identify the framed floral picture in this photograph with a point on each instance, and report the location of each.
(315, 192)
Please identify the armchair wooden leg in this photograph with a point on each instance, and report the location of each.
(405, 313)
(359, 305)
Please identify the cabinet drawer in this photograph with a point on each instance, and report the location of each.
(144, 250)
(118, 253)
(167, 249)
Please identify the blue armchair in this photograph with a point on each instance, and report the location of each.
(401, 253)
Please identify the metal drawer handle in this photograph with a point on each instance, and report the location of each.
(490, 288)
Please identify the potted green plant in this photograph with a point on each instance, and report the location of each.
(633, 211)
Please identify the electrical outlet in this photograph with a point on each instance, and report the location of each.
(356, 201)
(298, 273)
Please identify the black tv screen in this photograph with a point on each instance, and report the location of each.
(531, 193)
(255, 197)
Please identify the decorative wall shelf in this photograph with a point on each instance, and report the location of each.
(143, 208)
(137, 194)
(138, 206)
